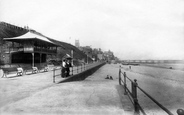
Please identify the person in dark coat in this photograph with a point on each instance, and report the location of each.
(63, 70)
(68, 65)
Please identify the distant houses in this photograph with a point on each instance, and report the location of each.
(96, 54)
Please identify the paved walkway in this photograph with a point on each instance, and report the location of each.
(36, 94)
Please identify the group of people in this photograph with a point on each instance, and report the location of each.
(66, 64)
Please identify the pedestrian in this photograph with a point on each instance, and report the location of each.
(107, 77)
(68, 65)
(111, 78)
(63, 70)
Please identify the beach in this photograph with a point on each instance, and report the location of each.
(36, 94)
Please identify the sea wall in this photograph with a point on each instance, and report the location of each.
(83, 75)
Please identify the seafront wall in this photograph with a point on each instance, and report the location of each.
(83, 75)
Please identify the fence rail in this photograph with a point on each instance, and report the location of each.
(73, 69)
(133, 95)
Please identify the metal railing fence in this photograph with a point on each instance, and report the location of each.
(133, 95)
(74, 69)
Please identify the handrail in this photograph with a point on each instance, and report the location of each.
(133, 95)
(73, 71)
(129, 93)
(161, 106)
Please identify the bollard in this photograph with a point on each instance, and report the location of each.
(134, 95)
(125, 85)
(180, 112)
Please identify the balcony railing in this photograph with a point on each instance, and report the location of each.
(15, 49)
(18, 49)
(44, 50)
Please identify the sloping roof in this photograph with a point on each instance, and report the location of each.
(32, 37)
(29, 35)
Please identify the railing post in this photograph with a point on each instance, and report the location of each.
(134, 95)
(54, 75)
(125, 85)
(120, 75)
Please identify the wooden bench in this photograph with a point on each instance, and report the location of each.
(32, 69)
(27, 69)
(7, 71)
(20, 71)
(35, 70)
(44, 68)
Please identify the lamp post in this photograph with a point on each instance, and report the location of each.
(32, 59)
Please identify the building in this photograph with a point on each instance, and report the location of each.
(30, 48)
(26, 46)
(77, 44)
(109, 55)
(100, 56)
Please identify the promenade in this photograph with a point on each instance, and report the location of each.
(37, 94)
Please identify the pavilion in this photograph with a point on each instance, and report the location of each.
(26, 46)
(30, 48)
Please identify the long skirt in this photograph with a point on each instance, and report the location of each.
(63, 72)
(67, 72)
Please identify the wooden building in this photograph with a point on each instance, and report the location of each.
(30, 48)
(19, 46)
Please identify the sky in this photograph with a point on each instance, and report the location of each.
(132, 29)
